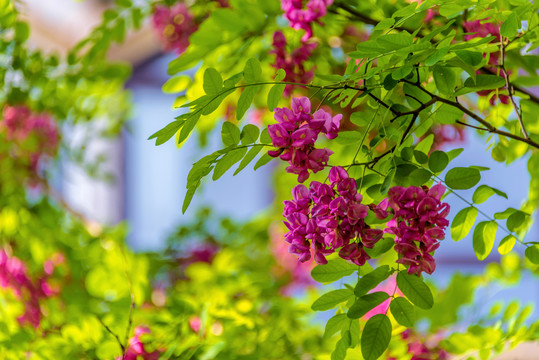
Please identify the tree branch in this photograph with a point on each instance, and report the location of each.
(510, 89)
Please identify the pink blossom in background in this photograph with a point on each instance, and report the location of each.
(482, 30)
(20, 125)
(174, 26)
(447, 134)
(292, 63)
(14, 276)
(135, 349)
(423, 349)
(288, 264)
(419, 223)
(301, 15)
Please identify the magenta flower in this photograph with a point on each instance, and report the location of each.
(292, 63)
(294, 136)
(419, 222)
(174, 26)
(301, 18)
(321, 221)
(136, 350)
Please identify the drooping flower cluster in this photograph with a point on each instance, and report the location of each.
(325, 218)
(14, 276)
(419, 222)
(174, 26)
(483, 30)
(302, 18)
(422, 349)
(296, 133)
(36, 135)
(292, 63)
(136, 350)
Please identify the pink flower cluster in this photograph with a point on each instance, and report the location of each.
(325, 218)
(174, 26)
(295, 134)
(445, 134)
(292, 64)
(423, 350)
(135, 349)
(21, 125)
(419, 222)
(302, 18)
(14, 276)
(484, 30)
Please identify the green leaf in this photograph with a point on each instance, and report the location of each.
(264, 159)
(176, 84)
(437, 56)
(341, 347)
(188, 197)
(253, 152)
(164, 135)
(369, 281)
(335, 324)
(252, 70)
(213, 82)
(22, 31)
(507, 244)
(461, 178)
(505, 214)
(483, 238)
(415, 290)
(419, 177)
(485, 82)
(516, 220)
(249, 134)
(438, 161)
(403, 311)
(230, 134)
(389, 82)
(452, 154)
(381, 247)
(281, 74)
(384, 24)
(334, 270)
(367, 49)
(445, 79)
(332, 299)
(227, 161)
(483, 192)
(532, 253)
(366, 303)
(421, 157)
(463, 223)
(275, 94)
(264, 136)
(376, 336)
(425, 144)
(473, 58)
(245, 100)
(510, 26)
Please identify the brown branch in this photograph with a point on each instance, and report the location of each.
(113, 334)
(510, 89)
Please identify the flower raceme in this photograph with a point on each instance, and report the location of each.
(295, 134)
(136, 349)
(293, 63)
(14, 276)
(302, 18)
(418, 223)
(324, 218)
(174, 25)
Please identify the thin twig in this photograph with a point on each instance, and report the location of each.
(510, 89)
(113, 334)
